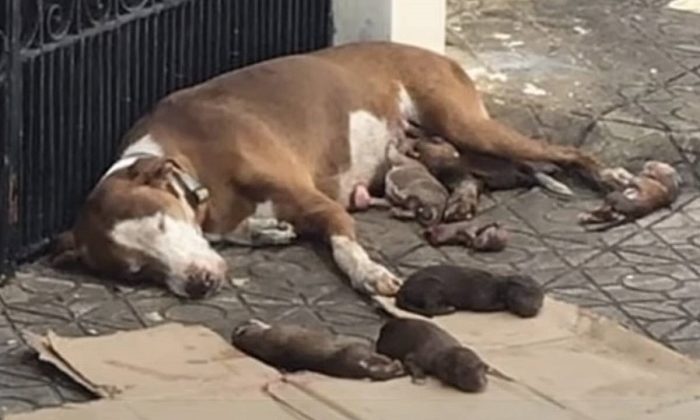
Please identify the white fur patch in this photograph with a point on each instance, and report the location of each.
(146, 145)
(406, 106)
(364, 274)
(260, 324)
(368, 138)
(265, 210)
(177, 244)
(122, 163)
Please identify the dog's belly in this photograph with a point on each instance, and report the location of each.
(368, 139)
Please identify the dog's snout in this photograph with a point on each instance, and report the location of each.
(201, 283)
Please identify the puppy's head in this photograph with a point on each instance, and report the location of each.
(491, 238)
(436, 154)
(664, 173)
(524, 296)
(250, 327)
(463, 369)
(427, 210)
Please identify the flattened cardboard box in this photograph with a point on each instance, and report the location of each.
(565, 364)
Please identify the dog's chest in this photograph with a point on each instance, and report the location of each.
(368, 139)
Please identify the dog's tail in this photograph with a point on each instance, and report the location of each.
(489, 136)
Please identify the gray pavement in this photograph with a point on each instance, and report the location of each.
(621, 78)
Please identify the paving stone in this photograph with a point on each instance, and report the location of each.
(625, 84)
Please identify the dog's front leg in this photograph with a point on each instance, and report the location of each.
(312, 212)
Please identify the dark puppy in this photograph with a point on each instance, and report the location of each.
(491, 237)
(426, 349)
(452, 168)
(294, 348)
(444, 289)
(657, 186)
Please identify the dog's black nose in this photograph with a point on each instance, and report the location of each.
(200, 284)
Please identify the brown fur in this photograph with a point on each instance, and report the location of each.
(656, 187)
(294, 348)
(277, 131)
(444, 289)
(491, 237)
(426, 349)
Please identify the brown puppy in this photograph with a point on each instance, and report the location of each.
(444, 289)
(410, 190)
(634, 197)
(294, 348)
(426, 349)
(491, 237)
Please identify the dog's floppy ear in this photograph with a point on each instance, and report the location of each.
(149, 170)
(64, 252)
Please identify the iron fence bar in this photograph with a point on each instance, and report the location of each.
(13, 135)
(74, 74)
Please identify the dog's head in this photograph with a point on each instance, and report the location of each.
(142, 222)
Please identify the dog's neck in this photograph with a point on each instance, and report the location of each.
(144, 148)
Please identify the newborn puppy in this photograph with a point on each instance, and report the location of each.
(444, 289)
(451, 167)
(491, 237)
(426, 349)
(294, 348)
(411, 191)
(657, 186)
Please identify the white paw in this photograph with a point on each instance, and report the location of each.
(376, 279)
(281, 233)
(365, 275)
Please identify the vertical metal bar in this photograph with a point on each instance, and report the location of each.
(65, 106)
(10, 143)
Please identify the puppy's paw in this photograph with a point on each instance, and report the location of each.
(460, 207)
(587, 218)
(418, 380)
(617, 178)
(381, 368)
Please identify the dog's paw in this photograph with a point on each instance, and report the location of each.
(365, 275)
(277, 233)
(375, 279)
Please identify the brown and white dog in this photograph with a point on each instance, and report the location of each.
(286, 139)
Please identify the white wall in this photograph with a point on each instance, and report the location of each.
(416, 22)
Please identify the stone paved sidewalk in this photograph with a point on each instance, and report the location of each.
(619, 77)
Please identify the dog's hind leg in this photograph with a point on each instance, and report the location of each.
(453, 109)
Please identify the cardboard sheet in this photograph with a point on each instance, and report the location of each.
(565, 364)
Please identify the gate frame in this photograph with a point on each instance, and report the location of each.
(310, 26)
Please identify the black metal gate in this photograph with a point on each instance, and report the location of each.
(74, 74)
